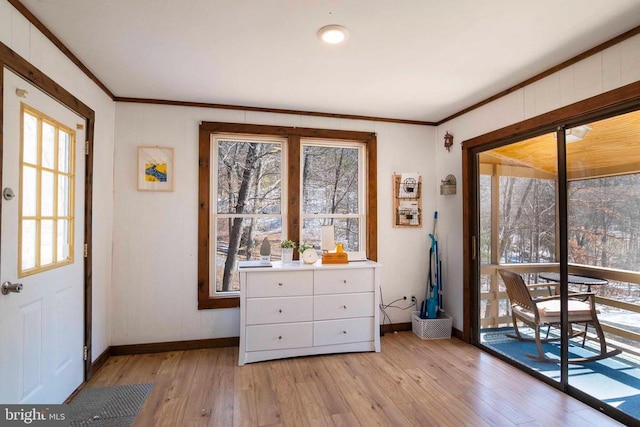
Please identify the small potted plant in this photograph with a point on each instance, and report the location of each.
(287, 247)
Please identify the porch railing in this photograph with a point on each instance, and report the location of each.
(495, 302)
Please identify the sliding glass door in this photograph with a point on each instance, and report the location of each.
(518, 192)
(557, 220)
(603, 244)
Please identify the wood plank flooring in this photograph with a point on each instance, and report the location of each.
(410, 383)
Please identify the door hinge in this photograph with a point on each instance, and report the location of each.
(86, 250)
(85, 353)
(86, 148)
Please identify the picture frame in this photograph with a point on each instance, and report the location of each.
(155, 168)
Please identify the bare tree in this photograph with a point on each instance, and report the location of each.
(236, 226)
(249, 182)
(330, 186)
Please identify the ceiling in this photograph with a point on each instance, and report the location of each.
(408, 59)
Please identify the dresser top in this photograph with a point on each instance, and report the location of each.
(318, 265)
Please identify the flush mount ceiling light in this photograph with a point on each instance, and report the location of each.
(576, 133)
(333, 34)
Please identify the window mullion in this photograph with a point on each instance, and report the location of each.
(293, 188)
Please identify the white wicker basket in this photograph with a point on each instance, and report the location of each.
(430, 329)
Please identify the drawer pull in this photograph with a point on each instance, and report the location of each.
(344, 306)
(280, 311)
(344, 281)
(280, 337)
(280, 284)
(344, 332)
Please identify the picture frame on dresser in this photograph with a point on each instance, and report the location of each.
(298, 309)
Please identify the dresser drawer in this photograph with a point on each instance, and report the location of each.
(343, 306)
(279, 336)
(343, 281)
(279, 310)
(277, 284)
(331, 332)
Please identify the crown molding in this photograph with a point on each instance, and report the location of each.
(271, 110)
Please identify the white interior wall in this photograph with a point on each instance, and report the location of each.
(27, 41)
(612, 68)
(155, 233)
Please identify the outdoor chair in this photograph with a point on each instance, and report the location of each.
(545, 311)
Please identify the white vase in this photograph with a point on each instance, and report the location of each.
(287, 255)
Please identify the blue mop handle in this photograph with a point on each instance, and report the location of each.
(435, 219)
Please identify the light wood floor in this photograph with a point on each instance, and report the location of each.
(410, 383)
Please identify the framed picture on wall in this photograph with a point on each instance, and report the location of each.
(155, 168)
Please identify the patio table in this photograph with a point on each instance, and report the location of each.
(575, 279)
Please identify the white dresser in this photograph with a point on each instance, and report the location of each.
(297, 309)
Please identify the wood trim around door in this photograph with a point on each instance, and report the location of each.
(617, 101)
(14, 62)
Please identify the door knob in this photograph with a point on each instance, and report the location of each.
(8, 287)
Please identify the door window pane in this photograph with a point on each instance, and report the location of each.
(28, 254)
(30, 139)
(64, 140)
(46, 242)
(63, 195)
(485, 217)
(29, 190)
(46, 191)
(603, 242)
(48, 145)
(62, 252)
(517, 219)
(47, 194)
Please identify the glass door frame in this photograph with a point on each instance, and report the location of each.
(616, 102)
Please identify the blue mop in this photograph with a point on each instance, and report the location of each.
(431, 304)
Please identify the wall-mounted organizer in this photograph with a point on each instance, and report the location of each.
(407, 200)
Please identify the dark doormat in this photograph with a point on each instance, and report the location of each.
(108, 406)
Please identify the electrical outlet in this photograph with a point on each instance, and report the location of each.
(413, 298)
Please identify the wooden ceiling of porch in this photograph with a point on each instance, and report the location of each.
(611, 147)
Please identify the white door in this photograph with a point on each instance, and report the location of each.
(41, 327)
